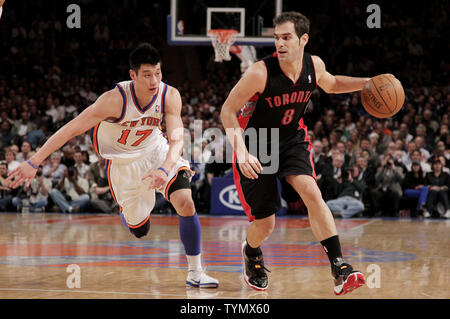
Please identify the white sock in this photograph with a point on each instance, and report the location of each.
(194, 262)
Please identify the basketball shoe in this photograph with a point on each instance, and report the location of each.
(345, 278)
(198, 278)
(254, 272)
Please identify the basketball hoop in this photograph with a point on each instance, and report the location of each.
(222, 40)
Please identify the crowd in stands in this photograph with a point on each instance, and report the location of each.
(364, 166)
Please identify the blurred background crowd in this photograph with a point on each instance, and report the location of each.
(364, 166)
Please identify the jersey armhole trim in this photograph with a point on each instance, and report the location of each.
(124, 105)
(267, 78)
(164, 98)
(314, 67)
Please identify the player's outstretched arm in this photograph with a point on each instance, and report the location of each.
(108, 105)
(252, 82)
(336, 83)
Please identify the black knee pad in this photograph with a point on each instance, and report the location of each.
(141, 230)
(182, 181)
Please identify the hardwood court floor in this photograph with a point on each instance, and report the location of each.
(401, 258)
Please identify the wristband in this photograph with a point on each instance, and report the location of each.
(32, 165)
(167, 174)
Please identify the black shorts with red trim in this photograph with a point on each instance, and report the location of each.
(260, 197)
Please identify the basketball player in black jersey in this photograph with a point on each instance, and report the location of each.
(279, 88)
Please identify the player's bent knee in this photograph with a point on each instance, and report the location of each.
(141, 230)
(311, 195)
(186, 208)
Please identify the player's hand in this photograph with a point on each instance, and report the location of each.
(24, 173)
(157, 178)
(250, 166)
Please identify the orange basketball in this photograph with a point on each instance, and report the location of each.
(383, 96)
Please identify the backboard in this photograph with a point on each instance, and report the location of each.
(190, 20)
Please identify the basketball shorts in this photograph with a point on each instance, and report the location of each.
(260, 197)
(133, 195)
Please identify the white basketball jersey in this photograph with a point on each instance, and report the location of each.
(137, 131)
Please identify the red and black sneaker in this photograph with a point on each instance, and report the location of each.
(345, 278)
(254, 271)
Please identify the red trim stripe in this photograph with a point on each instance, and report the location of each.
(108, 175)
(310, 146)
(94, 138)
(237, 183)
(140, 224)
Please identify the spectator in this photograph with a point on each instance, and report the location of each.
(101, 197)
(71, 193)
(6, 193)
(414, 187)
(25, 153)
(404, 134)
(420, 144)
(319, 157)
(438, 185)
(349, 191)
(7, 135)
(416, 156)
(366, 146)
(54, 169)
(37, 193)
(411, 147)
(383, 138)
(388, 190)
(331, 171)
(366, 173)
(10, 158)
(23, 126)
(80, 165)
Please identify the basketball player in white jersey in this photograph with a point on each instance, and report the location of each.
(124, 124)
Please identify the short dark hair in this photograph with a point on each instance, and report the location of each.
(145, 53)
(301, 23)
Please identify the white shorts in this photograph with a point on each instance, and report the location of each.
(132, 193)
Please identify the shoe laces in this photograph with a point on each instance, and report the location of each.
(341, 268)
(257, 264)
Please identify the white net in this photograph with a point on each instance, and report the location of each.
(222, 40)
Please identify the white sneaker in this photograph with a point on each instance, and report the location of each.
(447, 214)
(426, 214)
(198, 278)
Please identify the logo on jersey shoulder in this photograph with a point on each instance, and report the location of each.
(248, 108)
(157, 108)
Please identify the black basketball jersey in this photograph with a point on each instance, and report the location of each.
(283, 103)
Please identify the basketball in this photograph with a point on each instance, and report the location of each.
(383, 96)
